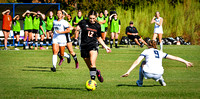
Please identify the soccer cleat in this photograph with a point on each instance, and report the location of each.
(61, 60)
(42, 48)
(141, 45)
(36, 48)
(5, 48)
(100, 78)
(53, 69)
(16, 49)
(77, 65)
(139, 84)
(162, 83)
(47, 48)
(69, 59)
(116, 46)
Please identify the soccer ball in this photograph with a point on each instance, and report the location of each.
(91, 85)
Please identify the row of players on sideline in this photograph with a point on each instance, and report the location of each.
(91, 35)
(36, 23)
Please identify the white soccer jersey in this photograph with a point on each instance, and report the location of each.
(158, 28)
(60, 26)
(153, 61)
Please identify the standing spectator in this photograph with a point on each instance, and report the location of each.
(107, 21)
(42, 31)
(49, 28)
(76, 20)
(102, 22)
(132, 33)
(28, 27)
(115, 27)
(36, 26)
(6, 26)
(16, 29)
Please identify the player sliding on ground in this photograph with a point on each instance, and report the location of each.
(152, 68)
(91, 33)
(60, 27)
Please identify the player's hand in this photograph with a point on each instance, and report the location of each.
(189, 64)
(108, 50)
(125, 75)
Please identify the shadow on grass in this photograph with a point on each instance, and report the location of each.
(121, 85)
(37, 70)
(82, 89)
(37, 67)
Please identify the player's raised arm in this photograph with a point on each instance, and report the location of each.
(188, 64)
(133, 66)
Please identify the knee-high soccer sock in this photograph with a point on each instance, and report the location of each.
(36, 43)
(47, 42)
(111, 42)
(41, 43)
(116, 42)
(16, 42)
(141, 76)
(75, 58)
(24, 44)
(29, 44)
(54, 60)
(161, 46)
(93, 72)
(66, 55)
(75, 42)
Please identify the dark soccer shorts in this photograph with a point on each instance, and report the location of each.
(85, 51)
(68, 37)
(6, 30)
(133, 37)
(106, 29)
(35, 31)
(16, 33)
(28, 30)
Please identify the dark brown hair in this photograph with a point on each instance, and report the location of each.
(152, 44)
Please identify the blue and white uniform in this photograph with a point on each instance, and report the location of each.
(153, 58)
(60, 26)
(152, 67)
(158, 28)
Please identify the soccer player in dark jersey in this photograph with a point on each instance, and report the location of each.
(90, 35)
(132, 33)
(16, 29)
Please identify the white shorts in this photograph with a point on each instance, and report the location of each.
(156, 77)
(61, 43)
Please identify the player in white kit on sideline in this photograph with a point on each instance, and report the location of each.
(158, 30)
(152, 67)
(60, 27)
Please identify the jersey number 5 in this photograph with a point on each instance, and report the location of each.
(156, 54)
(90, 33)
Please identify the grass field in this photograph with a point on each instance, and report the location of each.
(26, 74)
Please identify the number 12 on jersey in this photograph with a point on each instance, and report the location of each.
(156, 54)
(90, 34)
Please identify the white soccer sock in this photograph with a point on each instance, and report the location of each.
(161, 46)
(54, 60)
(66, 55)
